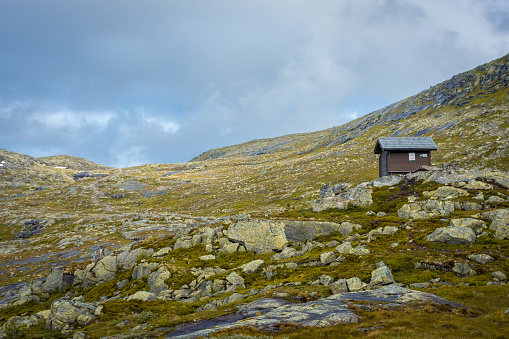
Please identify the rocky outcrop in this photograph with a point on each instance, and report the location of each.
(67, 315)
(359, 196)
(265, 314)
(265, 236)
(453, 235)
(426, 209)
(389, 180)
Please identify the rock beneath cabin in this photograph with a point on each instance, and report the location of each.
(426, 209)
(265, 236)
(389, 180)
(446, 192)
(453, 235)
(481, 258)
(359, 196)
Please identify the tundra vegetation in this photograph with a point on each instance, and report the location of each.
(245, 234)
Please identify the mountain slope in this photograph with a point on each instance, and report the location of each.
(453, 104)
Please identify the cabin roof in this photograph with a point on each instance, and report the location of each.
(404, 144)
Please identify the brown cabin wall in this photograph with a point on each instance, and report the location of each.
(399, 161)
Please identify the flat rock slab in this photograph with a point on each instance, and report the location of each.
(320, 313)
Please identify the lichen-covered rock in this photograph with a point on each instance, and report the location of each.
(481, 258)
(265, 236)
(382, 275)
(183, 242)
(227, 246)
(128, 259)
(477, 185)
(426, 209)
(347, 227)
(156, 280)
(446, 192)
(56, 280)
(389, 180)
(463, 269)
(66, 315)
(453, 235)
(143, 269)
(235, 280)
(344, 248)
(468, 222)
(359, 196)
(327, 257)
(252, 266)
(143, 296)
(162, 252)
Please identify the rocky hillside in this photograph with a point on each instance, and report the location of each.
(285, 237)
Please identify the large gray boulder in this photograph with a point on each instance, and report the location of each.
(56, 280)
(128, 259)
(252, 266)
(382, 275)
(468, 222)
(389, 180)
(453, 235)
(359, 196)
(143, 296)
(67, 315)
(426, 209)
(143, 269)
(265, 236)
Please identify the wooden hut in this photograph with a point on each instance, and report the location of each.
(403, 154)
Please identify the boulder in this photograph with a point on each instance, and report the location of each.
(477, 185)
(359, 196)
(499, 275)
(481, 258)
(227, 246)
(128, 259)
(207, 236)
(344, 248)
(235, 280)
(468, 222)
(502, 232)
(446, 192)
(157, 280)
(348, 285)
(390, 230)
(143, 269)
(382, 275)
(426, 209)
(143, 296)
(347, 227)
(56, 280)
(389, 180)
(252, 266)
(463, 269)
(183, 242)
(208, 257)
(264, 236)
(162, 252)
(453, 235)
(66, 315)
(288, 252)
(327, 257)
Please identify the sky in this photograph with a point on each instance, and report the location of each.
(126, 83)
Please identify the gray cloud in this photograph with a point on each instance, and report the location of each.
(162, 81)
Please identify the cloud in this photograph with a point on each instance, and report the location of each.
(162, 81)
(64, 119)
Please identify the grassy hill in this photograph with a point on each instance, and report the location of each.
(54, 216)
